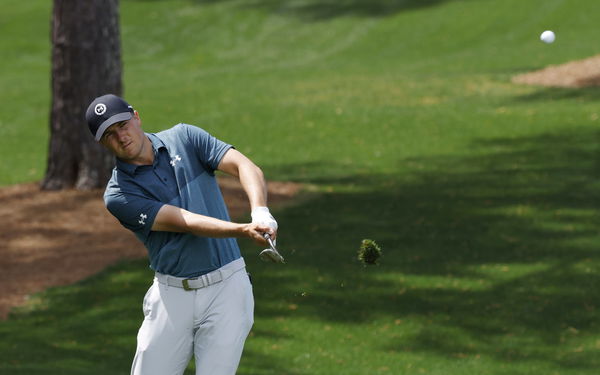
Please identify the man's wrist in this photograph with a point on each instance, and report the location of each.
(260, 209)
(259, 213)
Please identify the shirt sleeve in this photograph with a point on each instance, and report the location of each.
(133, 210)
(209, 149)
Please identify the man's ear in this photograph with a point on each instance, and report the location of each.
(136, 116)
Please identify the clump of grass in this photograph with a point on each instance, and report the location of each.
(369, 252)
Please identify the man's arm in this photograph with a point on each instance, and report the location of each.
(251, 176)
(175, 219)
(253, 182)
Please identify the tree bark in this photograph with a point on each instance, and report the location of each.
(86, 63)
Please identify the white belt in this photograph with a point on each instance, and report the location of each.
(202, 281)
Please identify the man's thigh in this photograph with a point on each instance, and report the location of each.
(165, 339)
(219, 339)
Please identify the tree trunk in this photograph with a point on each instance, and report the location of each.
(86, 63)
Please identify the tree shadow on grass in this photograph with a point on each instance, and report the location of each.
(499, 249)
(90, 328)
(492, 254)
(325, 9)
(76, 329)
(548, 94)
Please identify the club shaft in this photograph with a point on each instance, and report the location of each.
(270, 241)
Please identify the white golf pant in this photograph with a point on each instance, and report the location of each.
(212, 323)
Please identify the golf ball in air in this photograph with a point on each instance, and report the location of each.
(547, 36)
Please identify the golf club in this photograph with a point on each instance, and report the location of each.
(271, 254)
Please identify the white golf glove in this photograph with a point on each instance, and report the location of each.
(261, 215)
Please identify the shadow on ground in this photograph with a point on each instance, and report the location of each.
(511, 235)
(548, 94)
(326, 9)
(505, 240)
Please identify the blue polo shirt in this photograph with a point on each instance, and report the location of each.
(182, 175)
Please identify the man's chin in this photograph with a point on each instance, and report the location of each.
(126, 157)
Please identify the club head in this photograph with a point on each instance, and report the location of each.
(271, 254)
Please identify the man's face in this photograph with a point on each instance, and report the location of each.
(125, 139)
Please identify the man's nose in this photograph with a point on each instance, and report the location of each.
(121, 135)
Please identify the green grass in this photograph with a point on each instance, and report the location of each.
(401, 117)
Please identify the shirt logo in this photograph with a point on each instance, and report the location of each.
(99, 109)
(143, 217)
(175, 159)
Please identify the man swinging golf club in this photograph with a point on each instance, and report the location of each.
(164, 190)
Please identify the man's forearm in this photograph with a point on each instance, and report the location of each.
(206, 226)
(175, 219)
(253, 182)
(250, 176)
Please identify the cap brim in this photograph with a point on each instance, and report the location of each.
(124, 116)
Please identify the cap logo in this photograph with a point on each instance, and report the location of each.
(100, 109)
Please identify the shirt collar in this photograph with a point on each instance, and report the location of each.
(130, 169)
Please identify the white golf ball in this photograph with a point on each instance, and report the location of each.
(547, 37)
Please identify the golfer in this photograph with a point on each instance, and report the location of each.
(164, 190)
